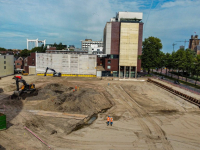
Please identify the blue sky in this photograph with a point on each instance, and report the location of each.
(70, 21)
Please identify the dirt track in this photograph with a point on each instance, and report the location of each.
(145, 117)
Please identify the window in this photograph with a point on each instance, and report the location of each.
(108, 67)
(18, 64)
(4, 67)
(98, 50)
(109, 61)
(4, 57)
(4, 62)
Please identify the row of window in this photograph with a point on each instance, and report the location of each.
(94, 43)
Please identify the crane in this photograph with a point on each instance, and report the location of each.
(183, 41)
(173, 45)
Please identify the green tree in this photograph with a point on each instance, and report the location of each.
(180, 61)
(189, 61)
(55, 45)
(161, 61)
(25, 53)
(151, 52)
(36, 49)
(174, 65)
(2, 49)
(41, 49)
(168, 62)
(197, 67)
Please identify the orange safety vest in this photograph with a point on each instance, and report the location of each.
(108, 118)
(111, 119)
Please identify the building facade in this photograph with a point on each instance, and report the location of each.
(123, 44)
(88, 42)
(197, 49)
(6, 65)
(94, 49)
(67, 64)
(29, 63)
(19, 63)
(194, 41)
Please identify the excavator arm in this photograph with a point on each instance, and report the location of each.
(25, 88)
(55, 74)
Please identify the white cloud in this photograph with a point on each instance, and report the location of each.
(178, 3)
(12, 34)
(174, 21)
(69, 21)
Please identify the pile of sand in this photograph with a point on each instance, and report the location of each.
(61, 98)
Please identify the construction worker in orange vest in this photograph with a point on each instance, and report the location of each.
(108, 120)
(76, 88)
(111, 121)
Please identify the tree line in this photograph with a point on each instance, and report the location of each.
(183, 61)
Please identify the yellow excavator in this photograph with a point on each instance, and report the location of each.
(24, 73)
(26, 88)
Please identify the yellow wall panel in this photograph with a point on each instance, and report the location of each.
(129, 44)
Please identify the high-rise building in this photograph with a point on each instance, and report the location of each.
(123, 44)
(88, 42)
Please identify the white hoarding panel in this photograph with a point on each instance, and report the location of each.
(66, 63)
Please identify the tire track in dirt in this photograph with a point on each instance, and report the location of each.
(158, 131)
(116, 95)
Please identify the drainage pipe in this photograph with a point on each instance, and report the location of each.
(36, 136)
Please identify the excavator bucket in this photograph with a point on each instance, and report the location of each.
(16, 93)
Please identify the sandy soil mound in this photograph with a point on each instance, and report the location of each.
(62, 98)
(58, 97)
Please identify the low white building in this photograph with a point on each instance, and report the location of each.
(6, 65)
(88, 42)
(95, 49)
(77, 64)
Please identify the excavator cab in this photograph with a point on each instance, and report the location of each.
(24, 73)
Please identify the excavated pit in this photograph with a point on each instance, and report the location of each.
(61, 98)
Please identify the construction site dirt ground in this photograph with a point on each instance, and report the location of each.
(145, 116)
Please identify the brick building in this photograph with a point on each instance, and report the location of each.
(122, 44)
(19, 63)
(194, 42)
(29, 62)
